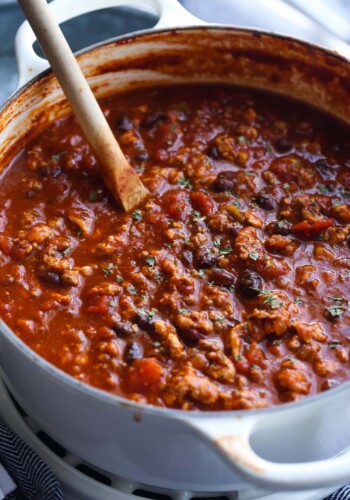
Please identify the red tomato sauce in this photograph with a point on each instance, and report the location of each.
(227, 289)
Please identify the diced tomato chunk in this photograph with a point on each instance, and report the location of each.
(306, 229)
(202, 202)
(99, 304)
(177, 203)
(255, 356)
(145, 374)
(5, 244)
(242, 366)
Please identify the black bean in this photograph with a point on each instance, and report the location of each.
(224, 181)
(49, 277)
(187, 257)
(234, 230)
(206, 259)
(144, 321)
(142, 156)
(265, 201)
(282, 145)
(189, 336)
(134, 351)
(213, 152)
(49, 170)
(221, 277)
(278, 227)
(249, 284)
(153, 119)
(123, 328)
(123, 124)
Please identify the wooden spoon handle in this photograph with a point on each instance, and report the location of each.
(119, 176)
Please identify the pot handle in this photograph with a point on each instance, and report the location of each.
(29, 64)
(232, 441)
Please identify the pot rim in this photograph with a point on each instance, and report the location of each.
(151, 31)
(109, 397)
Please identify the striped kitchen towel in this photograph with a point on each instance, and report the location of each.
(32, 479)
(342, 494)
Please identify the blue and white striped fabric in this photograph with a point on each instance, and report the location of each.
(34, 480)
(342, 494)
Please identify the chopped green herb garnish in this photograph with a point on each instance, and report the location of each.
(157, 344)
(337, 299)
(112, 303)
(238, 357)
(80, 232)
(268, 147)
(254, 255)
(137, 215)
(93, 195)
(132, 289)
(334, 345)
(108, 270)
(158, 277)
(150, 260)
(345, 193)
(185, 182)
(58, 156)
(219, 320)
(184, 311)
(120, 278)
(336, 310)
(286, 186)
(241, 139)
(197, 216)
(299, 301)
(276, 342)
(323, 188)
(225, 250)
(270, 299)
(66, 250)
(201, 272)
(255, 367)
(292, 359)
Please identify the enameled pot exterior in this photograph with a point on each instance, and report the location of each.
(168, 448)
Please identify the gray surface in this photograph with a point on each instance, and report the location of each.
(80, 32)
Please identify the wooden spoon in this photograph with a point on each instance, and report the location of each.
(119, 176)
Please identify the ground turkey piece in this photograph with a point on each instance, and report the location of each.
(291, 382)
(188, 383)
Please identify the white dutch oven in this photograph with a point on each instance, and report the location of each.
(293, 446)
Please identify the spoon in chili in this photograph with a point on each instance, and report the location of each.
(119, 176)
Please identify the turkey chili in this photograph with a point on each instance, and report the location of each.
(227, 289)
